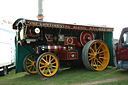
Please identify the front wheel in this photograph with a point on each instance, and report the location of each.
(47, 64)
(95, 55)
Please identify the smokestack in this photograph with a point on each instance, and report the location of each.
(40, 10)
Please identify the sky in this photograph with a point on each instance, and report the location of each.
(111, 13)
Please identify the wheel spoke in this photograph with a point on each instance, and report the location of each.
(101, 54)
(30, 68)
(49, 58)
(91, 58)
(52, 69)
(100, 63)
(41, 63)
(42, 67)
(91, 49)
(44, 60)
(43, 70)
(97, 64)
(102, 58)
(33, 68)
(54, 66)
(52, 60)
(98, 49)
(95, 47)
(53, 63)
(30, 60)
(33, 58)
(91, 53)
(29, 65)
(102, 51)
(92, 62)
(49, 71)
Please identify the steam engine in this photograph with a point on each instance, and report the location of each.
(55, 44)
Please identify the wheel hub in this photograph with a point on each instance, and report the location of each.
(49, 65)
(33, 63)
(96, 55)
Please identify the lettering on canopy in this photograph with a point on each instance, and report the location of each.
(66, 26)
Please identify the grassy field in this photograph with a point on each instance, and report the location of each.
(65, 77)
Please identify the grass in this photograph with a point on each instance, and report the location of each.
(65, 77)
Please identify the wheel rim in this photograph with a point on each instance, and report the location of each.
(30, 64)
(48, 65)
(98, 55)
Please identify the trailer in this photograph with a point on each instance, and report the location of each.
(43, 47)
(7, 50)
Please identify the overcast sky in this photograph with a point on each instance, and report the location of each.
(112, 13)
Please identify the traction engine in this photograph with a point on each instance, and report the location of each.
(57, 44)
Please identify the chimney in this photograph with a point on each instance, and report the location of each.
(40, 10)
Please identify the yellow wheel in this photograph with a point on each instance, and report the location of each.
(47, 64)
(95, 55)
(30, 64)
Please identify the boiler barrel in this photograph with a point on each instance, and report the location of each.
(54, 48)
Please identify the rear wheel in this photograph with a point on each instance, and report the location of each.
(95, 55)
(47, 64)
(30, 64)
